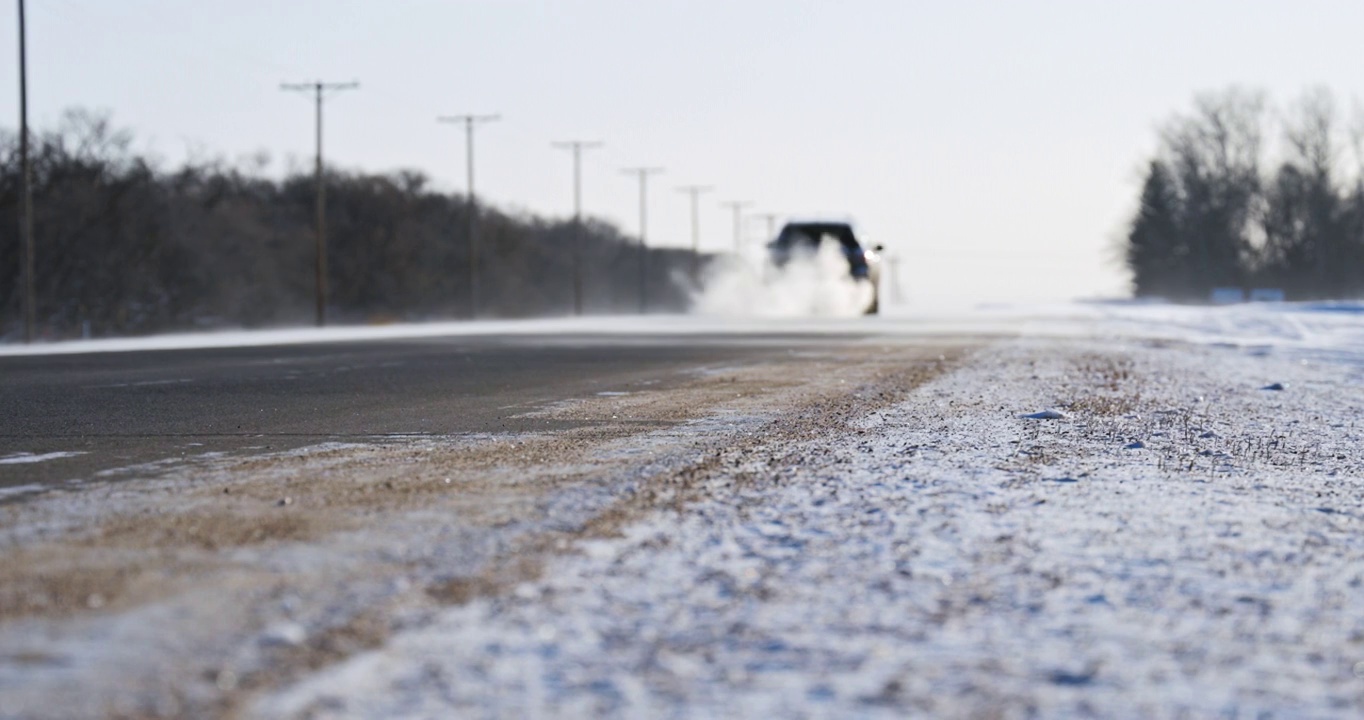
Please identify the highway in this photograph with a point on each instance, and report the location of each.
(116, 410)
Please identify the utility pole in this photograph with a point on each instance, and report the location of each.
(577, 146)
(893, 261)
(643, 174)
(469, 122)
(737, 206)
(771, 219)
(320, 90)
(695, 192)
(26, 191)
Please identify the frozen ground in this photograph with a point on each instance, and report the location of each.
(1177, 539)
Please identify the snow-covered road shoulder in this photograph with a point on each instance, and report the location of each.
(1181, 540)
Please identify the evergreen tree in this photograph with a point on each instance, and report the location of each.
(1157, 255)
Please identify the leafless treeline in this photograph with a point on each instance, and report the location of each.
(1214, 214)
(125, 247)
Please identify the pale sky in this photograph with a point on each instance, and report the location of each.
(995, 147)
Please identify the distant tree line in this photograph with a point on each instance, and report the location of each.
(1213, 214)
(124, 247)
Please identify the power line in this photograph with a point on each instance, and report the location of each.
(695, 192)
(737, 206)
(320, 90)
(469, 122)
(577, 147)
(26, 199)
(643, 174)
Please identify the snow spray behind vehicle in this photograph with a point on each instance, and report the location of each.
(811, 281)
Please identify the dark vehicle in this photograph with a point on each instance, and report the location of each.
(804, 238)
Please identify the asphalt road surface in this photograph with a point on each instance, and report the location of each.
(122, 409)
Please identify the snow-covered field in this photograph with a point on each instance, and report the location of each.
(1180, 534)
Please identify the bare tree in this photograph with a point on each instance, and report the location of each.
(1306, 229)
(130, 248)
(1214, 155)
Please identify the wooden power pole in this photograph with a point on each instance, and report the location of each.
(320, 90)
(695, 192)
(469, 121)
(577, 147)
(26, 190)
(643, 174)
